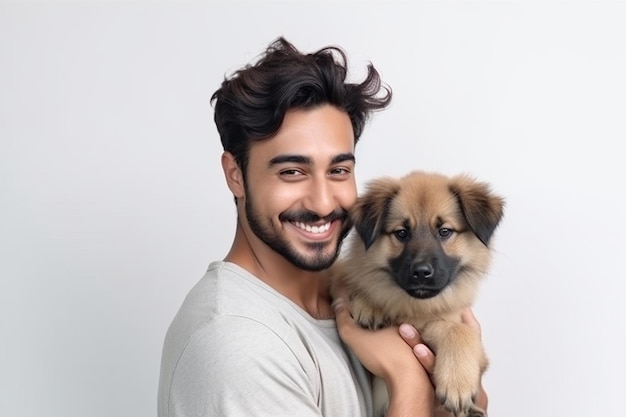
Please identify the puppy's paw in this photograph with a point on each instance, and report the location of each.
(456, 389)
(476, 412)
(367, 315)
(460, 404)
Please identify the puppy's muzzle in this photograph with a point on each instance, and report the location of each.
(422, 272)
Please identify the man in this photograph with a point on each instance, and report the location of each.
(258, 335)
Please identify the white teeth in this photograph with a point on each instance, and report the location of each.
(313, 229)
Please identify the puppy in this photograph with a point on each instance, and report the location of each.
(419, 250)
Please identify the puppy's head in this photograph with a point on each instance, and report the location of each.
(427, 231)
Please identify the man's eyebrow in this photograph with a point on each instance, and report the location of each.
(301, 159)
(343, 157)
(283, 159)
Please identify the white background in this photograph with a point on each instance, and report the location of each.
(113, 203)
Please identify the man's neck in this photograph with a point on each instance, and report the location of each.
(307, 289)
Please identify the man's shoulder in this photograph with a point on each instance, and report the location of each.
(228, 290)
(229, 300)
(230, 336)
(228, 321)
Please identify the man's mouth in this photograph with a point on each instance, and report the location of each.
(312, 229)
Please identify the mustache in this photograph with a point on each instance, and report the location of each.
(310, 217)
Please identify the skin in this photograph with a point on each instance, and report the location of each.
(307, 167)
(291, 204)
(357, 338)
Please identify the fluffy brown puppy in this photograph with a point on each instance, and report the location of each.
(418, 254)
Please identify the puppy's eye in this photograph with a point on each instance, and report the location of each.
(402, 235)
(445, 233)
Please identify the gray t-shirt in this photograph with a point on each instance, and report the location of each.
(238, 348)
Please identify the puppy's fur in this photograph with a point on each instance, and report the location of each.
(420, 249)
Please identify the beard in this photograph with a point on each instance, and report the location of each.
(319, 255)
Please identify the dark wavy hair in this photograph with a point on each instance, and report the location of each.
(251, 104)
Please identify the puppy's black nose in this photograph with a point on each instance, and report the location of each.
(423, 271)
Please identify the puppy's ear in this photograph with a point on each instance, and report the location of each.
(481, 208)
(369, 213)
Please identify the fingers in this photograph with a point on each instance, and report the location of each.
(426, 357)
(342, 314)
(468, 318)
(423, 354)
(410, 334)
(349, 330)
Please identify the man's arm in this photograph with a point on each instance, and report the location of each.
(237, 367)
(392, 358)
(384, 353)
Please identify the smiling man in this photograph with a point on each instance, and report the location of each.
(257, 336)
(292, 204)
(305, 178)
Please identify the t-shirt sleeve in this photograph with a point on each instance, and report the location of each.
(236, 366)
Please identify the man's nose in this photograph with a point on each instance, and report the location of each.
(321, 198)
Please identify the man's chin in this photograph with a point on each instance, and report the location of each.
(313, 267)
(315, 264)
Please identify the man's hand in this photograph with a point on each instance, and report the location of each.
(427, 358)
(385, 354)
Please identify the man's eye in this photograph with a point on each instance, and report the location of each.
(402, 235)
(290, 172)
(340, 171)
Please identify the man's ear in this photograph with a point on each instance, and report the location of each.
(233, 174)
